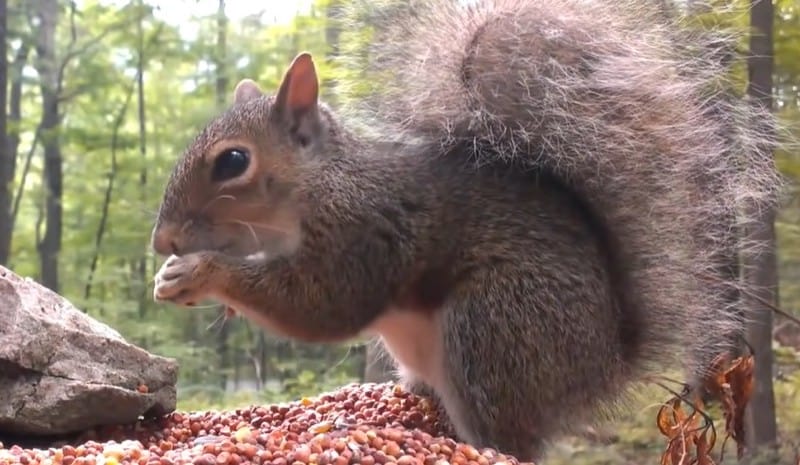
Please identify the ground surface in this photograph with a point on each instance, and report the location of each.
(368, 424)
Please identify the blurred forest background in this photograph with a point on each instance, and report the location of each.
(102, 97)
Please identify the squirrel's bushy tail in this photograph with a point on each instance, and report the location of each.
(627, 105)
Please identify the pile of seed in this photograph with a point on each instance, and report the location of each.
(357, 424)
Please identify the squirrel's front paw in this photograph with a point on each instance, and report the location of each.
(183, 280)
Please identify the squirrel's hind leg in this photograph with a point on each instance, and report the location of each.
(528, 357)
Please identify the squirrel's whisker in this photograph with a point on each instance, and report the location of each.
(252, 231)
(251, 226)
(219, 197)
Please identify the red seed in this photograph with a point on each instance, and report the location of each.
(205, 459)
(370, 424)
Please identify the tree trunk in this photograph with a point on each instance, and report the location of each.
(13, 141)
(332, 32)
(50, 245)
(760, 270)
(141, 283)
(221, 56)
(6, 160)
(263, 364)
(221, 86)
(105, 209)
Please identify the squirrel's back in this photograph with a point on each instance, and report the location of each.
(627, 105)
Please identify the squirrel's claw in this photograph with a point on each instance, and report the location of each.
(182, 280)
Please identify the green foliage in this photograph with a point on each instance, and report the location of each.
(99, 47)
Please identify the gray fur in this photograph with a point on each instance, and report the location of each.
(628, 105)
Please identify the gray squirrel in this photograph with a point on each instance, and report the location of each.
(547, 209)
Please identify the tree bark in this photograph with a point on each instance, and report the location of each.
(141, 269)
(50, 244)
(13, 141)
(760, 270)
(105, 209)
(6, 160)
(332, 32)
(221, 87)
(221, 84)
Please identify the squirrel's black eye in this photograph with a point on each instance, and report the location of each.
(230, 164)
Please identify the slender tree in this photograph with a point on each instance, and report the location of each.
(6, 163)
(221, 94)
(46, 16)
(113, 171)
(141, 266)
(761, 270)
(13, 134)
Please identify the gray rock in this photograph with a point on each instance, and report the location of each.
(62, 371)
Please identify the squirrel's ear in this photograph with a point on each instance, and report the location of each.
(296, 101)
(299, 90)
(246, 90)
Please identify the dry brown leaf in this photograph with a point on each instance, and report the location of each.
(680, 429)
(713, 383)
(731, 383)
(739, 379)
(703, 448)
(664, 420)
(689, 441)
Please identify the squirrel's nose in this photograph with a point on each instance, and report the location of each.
(163, 240)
